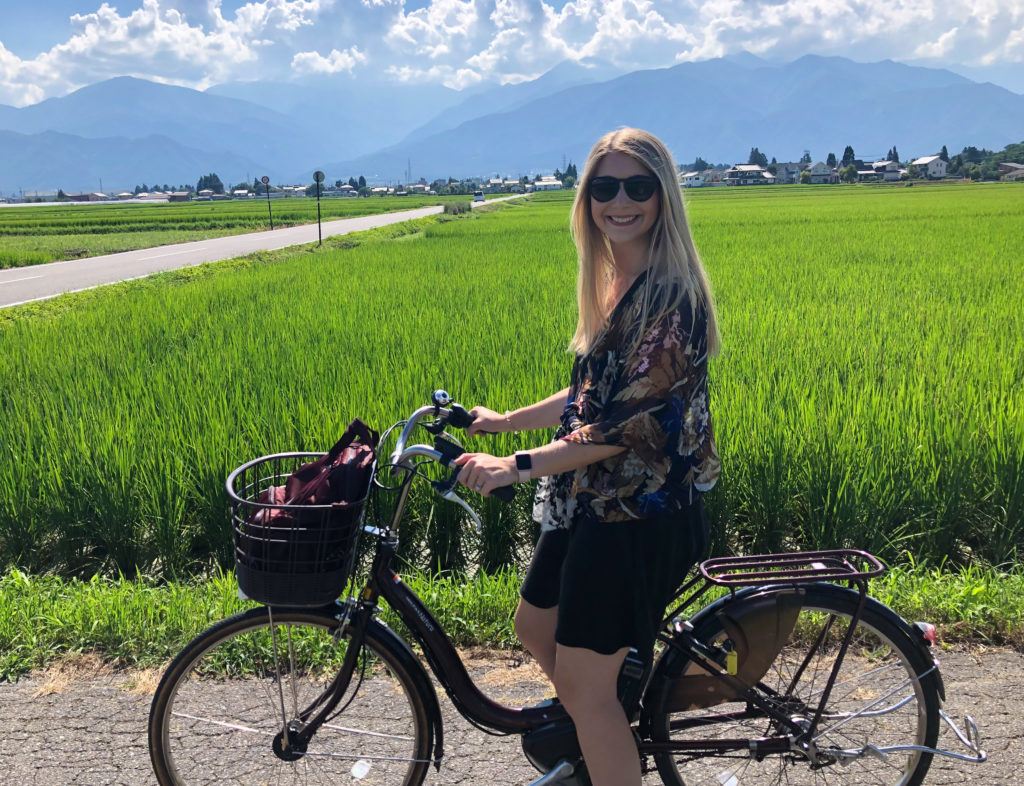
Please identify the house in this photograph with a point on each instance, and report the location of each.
(714, 176)
(1011, 171)
(748, 175)
(547, 183)
(822, 173)
(931, 167)
(493, 184)
(95, 196)
(789, 171)
(179, 196)
(126, 195)
(242, 193)
(691, 179)
(889, 170)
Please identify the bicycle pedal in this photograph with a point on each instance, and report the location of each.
(557, 774)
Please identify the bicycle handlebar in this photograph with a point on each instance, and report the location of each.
(445, 451)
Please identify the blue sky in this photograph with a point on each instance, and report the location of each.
(51, 47)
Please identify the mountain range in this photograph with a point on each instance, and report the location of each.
(128, 130)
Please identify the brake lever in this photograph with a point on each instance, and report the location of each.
(451, 496)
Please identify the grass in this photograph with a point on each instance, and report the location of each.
(35, 235)
(869, 393)
(140, 623)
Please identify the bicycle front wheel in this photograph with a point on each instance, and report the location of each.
(220, 709)
(878, 699)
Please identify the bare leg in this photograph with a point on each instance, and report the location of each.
(586, 682)
(535, 628)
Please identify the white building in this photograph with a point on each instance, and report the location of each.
(547, 184)
(930, 166)
(691, 179)
(889, 170)
(748, 175)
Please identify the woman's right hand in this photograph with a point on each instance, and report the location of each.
(486, 420)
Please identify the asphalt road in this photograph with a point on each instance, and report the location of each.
(41, 282)
(88, 727)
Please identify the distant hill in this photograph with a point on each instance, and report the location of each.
(506, 98)
(347, 116)
(136, 109)
(50, 160)
(717, 109)
(721, 108)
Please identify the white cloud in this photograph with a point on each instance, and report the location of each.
(463, 42)
(435, 28)
(335, 63)
(940, 47)
(455, 78)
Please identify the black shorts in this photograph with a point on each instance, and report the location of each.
(611, 581)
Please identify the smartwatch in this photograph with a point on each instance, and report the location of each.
(524, 464)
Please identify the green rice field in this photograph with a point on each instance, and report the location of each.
(869, 392)
(31, 235)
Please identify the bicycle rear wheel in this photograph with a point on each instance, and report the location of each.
(877, 699)
(218, 712)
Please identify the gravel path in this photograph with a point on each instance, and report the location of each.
(82, 724)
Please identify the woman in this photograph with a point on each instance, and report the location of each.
(619, 502)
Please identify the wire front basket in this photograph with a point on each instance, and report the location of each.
(290, 555)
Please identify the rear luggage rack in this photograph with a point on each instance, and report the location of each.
(793, 568)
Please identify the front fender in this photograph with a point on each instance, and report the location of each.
(387, 639)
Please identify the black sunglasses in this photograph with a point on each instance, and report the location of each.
(639, 188)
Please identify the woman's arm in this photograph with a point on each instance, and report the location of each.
(543, 414)
(491, 472)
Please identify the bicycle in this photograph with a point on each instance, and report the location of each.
(794, 674)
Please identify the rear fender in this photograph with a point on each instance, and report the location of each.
(757, 623)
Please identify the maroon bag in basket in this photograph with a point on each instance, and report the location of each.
(343, 475)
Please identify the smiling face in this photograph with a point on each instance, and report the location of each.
(641, 216)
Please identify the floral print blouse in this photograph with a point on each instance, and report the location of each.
(655, 404)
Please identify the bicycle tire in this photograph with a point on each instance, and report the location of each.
(884, 652)
(217, 709)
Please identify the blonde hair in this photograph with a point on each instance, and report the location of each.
(672, 254)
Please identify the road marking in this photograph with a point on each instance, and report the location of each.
(26, 278)
(170, 254)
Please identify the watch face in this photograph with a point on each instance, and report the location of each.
(523, 461)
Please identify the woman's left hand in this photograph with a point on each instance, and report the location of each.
(482, 472)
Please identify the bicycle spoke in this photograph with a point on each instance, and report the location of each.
(876, 699)
(223, 722)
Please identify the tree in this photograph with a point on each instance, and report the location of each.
(831, 160)
(849, 174)
(806, 157)
(848, 156)
(893, 155)
(362, 182)
(354, 183)
(757, 157)
(805, 176)
(944, 154)
(773, 167)
(699, 164)
(212, 182)
(61, 195)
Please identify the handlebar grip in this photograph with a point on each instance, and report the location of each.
(459, 417)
